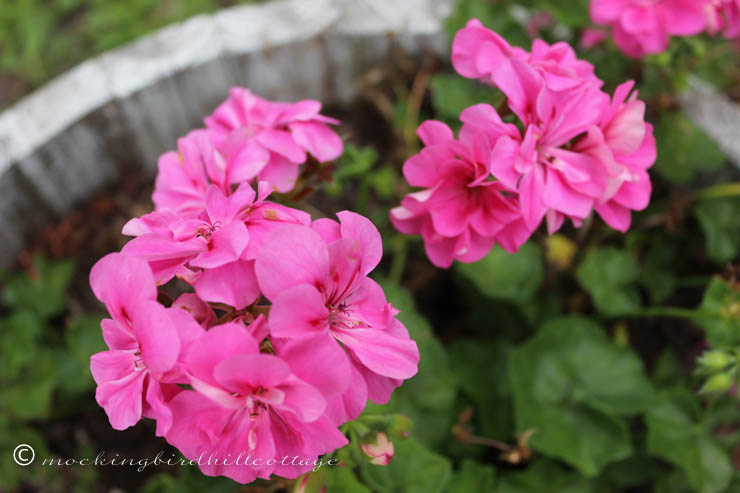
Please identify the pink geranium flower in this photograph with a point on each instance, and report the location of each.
(552, 181)
(285, 131)
(247, 406)
(461, 212)
(138, 374)
(642, 27)
(317, 281)
(205, 158)
(624, 142)
(724, 16)
(479, 53)
(215, 249)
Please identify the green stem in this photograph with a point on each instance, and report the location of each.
(669, 312)
(400, 252)
(719, 191)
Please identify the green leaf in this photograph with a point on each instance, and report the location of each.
(83, 339)
(11, 473)
(189, 480)
(493, 15)
(21, 329)
(473, 477)
(720, 314)
(572, 385)
(720, 221)
(481, 368)
(607, 275)
(428, 397)
(572, 14)
(413, 469)
(451, 94)
(544, 476)
(676, 433)
(684, 149)
(673, 482)
(659, 268)
(343, 480)
(30, 397)
(44, 293)
(384, 181)
(515, 277)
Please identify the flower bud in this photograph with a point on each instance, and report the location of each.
(378, 448)
(719, 383)
(715, 360)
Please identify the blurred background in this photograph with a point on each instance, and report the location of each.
(646, 374)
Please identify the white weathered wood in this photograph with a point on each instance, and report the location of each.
(716, 114)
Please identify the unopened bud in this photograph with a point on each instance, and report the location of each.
(378, 448)
(719, 383)
(715, 360)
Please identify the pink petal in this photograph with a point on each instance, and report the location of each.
(216, 345)
(292, 255)
(366, 235)
(432, 132)
(117, 336)
(244, 373)
(318, 139)
(157, 336)
(349, 405)
(319, 361)
(382, 353)
(121, 399)
(280, 172)
(282, 142)
(234, 284)
(299, 311)
(302, 399)
(225, 245)
(121, 282)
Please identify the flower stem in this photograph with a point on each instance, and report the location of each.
(400, 252)
(719, 191)
(669, 312)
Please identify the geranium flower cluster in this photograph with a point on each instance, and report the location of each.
(283, 336)
(564, 149)
(643, 27)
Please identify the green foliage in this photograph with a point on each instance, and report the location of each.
(720, 221)
(37, 363)
(429, 396)
(514, 277)
(481, 369)
(451, 94)
(719, 314)
(574, 386)
(43, 293)
(40, 39)
(677, 432)
(684, 149)
(189, 480)
(414, 469)
(343, 480)
(543, 476)
(608, 275)
(474, 477)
